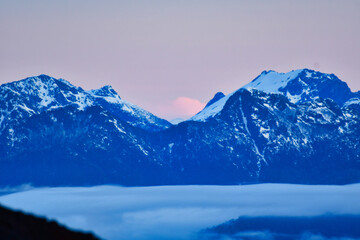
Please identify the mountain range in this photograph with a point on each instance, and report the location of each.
(296, 127)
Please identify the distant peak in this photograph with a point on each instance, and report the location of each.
(216, 98)
(292, 71)
(44, 76)
(219, 95)
(46, 79)
(29, 81)
(106, 90)
(272, 81)
(266, 72)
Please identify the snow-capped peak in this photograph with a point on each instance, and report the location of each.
(104, 91)
(211, 110)
(271, 81)
(212, 107)
(216, 98)
(299, 86)
(41, 93)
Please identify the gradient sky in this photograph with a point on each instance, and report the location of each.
(171, 57)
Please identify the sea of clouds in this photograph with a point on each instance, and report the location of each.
(177, 212)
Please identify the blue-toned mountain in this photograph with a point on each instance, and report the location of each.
(38, 94)
(303, 85)
(299, 86)
(248, 136)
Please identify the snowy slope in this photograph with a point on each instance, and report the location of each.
(130, 113)
(271, 81)
(352, 101)
(253, 136)
(211, 110)
(268, 81)
(299, 86)
(34, 95)
(303, 85)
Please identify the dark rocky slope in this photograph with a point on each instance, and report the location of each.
(15, 225)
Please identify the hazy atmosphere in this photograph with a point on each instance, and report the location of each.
(177, 119)
(179, 212)
(171, 57)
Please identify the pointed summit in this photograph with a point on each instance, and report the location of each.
(216, 98)
(271, 81)
(44, 77)
(42, 93)
(104, 91)
(303, 85)
(299, 86)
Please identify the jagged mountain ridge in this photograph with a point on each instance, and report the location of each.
(68, 146)
(304, 85)
(34, 95)
(254, 137)
(300, 86)
(273, 140)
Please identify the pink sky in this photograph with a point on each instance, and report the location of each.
(181, 107)
(171, 57)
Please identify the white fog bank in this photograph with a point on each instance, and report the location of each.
(177, 212)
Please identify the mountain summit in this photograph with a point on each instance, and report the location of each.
(38, 94)
(303, 85)
(299, 86)
(298, 127)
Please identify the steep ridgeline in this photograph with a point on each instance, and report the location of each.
(299, 86)
(303, 85)
(263, 137)
(53, 133)
(249, 136)
(34, 95)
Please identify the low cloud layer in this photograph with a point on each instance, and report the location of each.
(178, 212)
(326, 226)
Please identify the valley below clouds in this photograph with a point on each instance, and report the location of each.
(179, 212)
